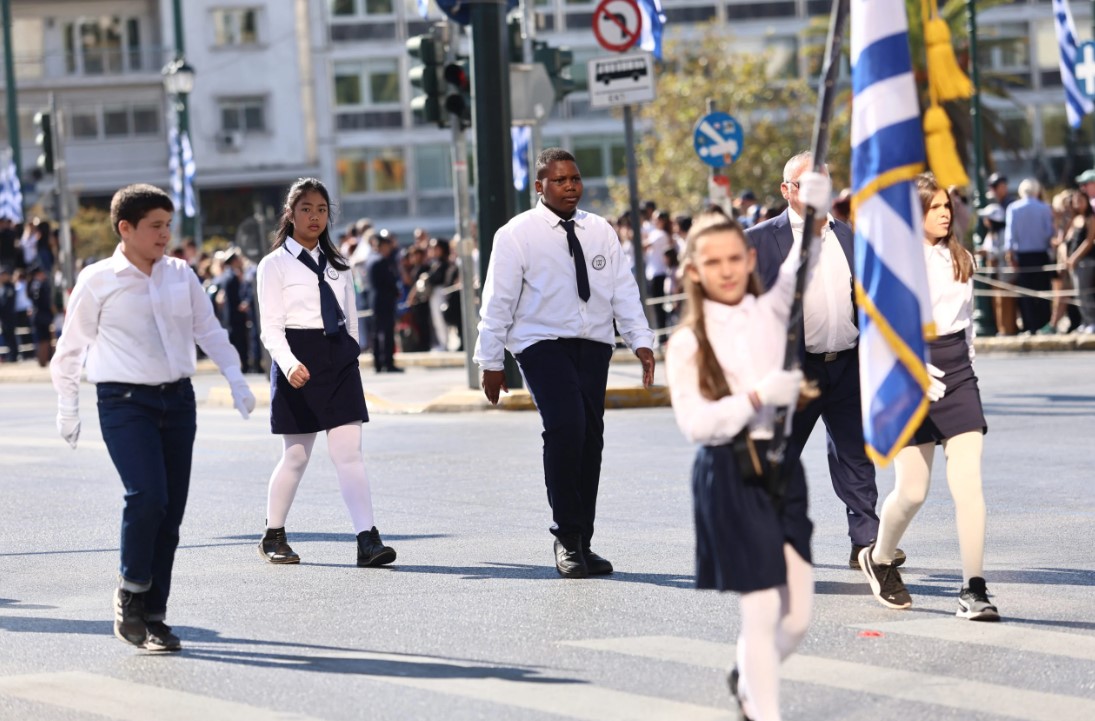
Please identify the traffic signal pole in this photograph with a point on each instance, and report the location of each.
(10, 89)
(493, 145)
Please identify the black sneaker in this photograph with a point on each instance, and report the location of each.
(853, 560)
(160, 638)
(885, 580)
(371, 551)
(973, 602)
(129, 623)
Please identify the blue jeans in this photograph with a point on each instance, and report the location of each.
(149, 432)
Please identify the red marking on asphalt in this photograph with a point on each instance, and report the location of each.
(870, 634)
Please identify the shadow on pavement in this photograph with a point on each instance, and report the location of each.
(314, 537)
(116, 549)
(523, 571)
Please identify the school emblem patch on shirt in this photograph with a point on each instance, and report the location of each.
(332, 274)
(598, 262)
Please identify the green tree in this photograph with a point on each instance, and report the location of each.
(776, 113)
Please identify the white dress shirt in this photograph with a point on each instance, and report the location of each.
(531, 293)
(749, 340)
(827, 301)
(288, 294)
(137, 328)
(659, 242)
(952, 300)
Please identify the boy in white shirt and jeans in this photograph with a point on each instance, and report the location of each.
(136, 317)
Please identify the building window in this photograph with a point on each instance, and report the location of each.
(85, 123)
(116, 122)
(235, 26)
(247, 115)
(600, 156)
(368, 82)
(112, 122)
(371, 170)
(103, 46)
(433, 167)
(352, 8)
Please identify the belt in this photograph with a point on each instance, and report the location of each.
(148, 386)
(830, 356)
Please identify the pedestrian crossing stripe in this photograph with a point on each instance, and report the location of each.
(956, 693)
(1003, 635)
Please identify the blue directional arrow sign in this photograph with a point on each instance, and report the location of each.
(718, 139)
(1085, 69)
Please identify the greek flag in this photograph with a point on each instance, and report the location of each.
(891, 289)
(182, 176)
(424, 9)
(653, 24)
(1077, 104)
(11, 192)
(520, 135)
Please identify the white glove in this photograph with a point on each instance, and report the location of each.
(936, 388)
(242, 397)
(816, 191)
(68, 422)
(779, 388)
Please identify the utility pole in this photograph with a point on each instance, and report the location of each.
(60, 177)
(10, 89)
(493, 145)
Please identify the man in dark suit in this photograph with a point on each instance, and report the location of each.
(830, 351)
(236, 307)
(383, 298)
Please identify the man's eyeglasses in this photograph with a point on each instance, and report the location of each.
(791, 182)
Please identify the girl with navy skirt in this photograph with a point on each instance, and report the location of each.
(955, 421)
(726, 377)
(308, 317)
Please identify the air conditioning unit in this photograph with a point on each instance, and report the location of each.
(229, 141)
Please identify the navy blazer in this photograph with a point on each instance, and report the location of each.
(773, 240)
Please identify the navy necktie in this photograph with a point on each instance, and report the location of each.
(328, 304)
(579, 260)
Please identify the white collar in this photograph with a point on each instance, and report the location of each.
(554, 220)
(295, 248)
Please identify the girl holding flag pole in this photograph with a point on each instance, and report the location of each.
(726, 375)
(955, 420)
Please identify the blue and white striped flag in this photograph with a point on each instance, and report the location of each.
(895, 313)
(173, 167)
(189, 168)
(521, 135)
(1077, 104)
(11, 192)
(653, 19)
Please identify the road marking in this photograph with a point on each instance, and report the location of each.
(984, 698)
(129, 701)
(1004, 635)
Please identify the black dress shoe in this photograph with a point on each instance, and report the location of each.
(853, 562)
(275, 548)
(595, 564)
(371, 551)
(732, 679)
(393, 369)
(569, 560)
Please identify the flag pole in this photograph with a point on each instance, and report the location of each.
(820, 147)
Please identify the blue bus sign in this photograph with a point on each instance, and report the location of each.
(718, 139)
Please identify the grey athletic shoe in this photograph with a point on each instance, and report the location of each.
(129, 623)
(973, 602)
(885, 580)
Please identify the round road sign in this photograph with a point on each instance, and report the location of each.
(617, 24)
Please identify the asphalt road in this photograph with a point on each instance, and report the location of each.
(472, 622)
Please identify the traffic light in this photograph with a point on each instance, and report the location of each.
(428, 78)
(458, 99)
(557, 62)
(44, 140)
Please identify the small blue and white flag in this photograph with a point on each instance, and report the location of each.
(521, 136)
(424, 9)
(173, 167)
(895, 314)
(188, 171)
(11, 191)
(1077, 103)
(653, 18)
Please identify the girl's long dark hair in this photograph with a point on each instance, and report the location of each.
(713, 383)
(285, 225)
(927, 186)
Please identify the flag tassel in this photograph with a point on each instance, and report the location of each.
(940, 146)
(945, 75)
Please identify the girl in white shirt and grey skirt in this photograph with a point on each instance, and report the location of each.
(308, 317)
(955, 420)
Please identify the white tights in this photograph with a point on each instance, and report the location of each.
(773, 622)
(344, 446)
(913, 470)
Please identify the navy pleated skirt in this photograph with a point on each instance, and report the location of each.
(959, 410)
(332, 397)
(739, 532)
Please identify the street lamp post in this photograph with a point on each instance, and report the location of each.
(178, 81)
